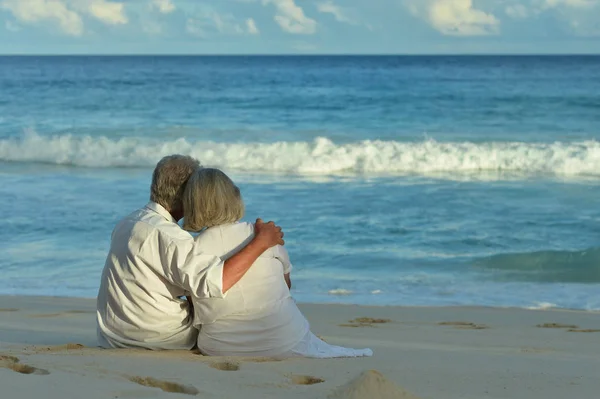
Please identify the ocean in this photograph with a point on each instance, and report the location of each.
(398, 180)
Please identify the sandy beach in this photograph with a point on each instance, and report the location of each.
(48, 350)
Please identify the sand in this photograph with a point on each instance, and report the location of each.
(48, 350)
(370, 384)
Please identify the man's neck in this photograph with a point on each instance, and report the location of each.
(177, 215)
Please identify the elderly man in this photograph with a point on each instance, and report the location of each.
(153, 264)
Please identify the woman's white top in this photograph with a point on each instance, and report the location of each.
(257, 316)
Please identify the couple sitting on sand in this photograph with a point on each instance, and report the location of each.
(226, 290)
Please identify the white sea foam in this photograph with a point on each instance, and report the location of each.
(340, 291)
(542, 306)
(318, 157)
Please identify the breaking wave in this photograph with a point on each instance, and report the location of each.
(320, 156)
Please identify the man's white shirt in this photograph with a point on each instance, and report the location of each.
(151, 264)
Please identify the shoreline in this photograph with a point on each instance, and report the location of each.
(4, 297)
(48, 349)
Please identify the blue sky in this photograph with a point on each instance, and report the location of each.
(299, 26)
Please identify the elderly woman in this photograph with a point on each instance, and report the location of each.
(258, 316)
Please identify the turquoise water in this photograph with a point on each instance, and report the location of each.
(398, 180)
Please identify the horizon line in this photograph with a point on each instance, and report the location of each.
(297, 54)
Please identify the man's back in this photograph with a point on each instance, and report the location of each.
(144, 278)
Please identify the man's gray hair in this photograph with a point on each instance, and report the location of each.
(169, 179)
(211, 199)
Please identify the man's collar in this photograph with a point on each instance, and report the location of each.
(153, 206)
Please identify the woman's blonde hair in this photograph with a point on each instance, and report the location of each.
(211, 199)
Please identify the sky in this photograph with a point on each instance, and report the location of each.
(299, 26)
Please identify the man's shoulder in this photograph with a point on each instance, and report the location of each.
(144, 221)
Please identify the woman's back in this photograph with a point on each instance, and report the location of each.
(258, 315)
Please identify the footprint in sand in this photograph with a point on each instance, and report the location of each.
(166, 386)
(13, 363)
(464, 325)
(58, 348)
(25, 369)
(305, 380)
(365, 322)
(556, 325)
(473, 327)
(537, 350)
(225, 366)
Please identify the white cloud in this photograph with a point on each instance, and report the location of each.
(569, 3)
(340, 14)
(209, 22)
(517, 11)
(580, 17)
(66, 14)
(151, 27)
(565, 8)
(251, 27)
(195, 27)
(455, 17)
(54, 11)
(163, 6)
(226, 24)
(291, 18)
(108, 12)
(584, 28)
(459, 18)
